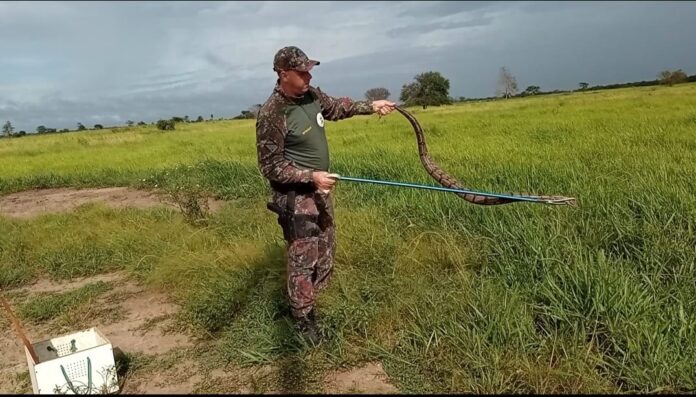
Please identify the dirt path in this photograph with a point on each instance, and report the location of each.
(32, 203)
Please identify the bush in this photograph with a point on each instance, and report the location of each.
(165, 125)
(192, 200)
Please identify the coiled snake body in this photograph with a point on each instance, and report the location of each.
(448, 181)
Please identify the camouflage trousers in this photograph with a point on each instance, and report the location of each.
(310, 257)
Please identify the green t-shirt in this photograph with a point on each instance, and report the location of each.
(290, 139)
(305, 143)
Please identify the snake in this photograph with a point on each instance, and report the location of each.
(448, 181)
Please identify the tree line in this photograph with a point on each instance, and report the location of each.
(432, 89)
(8, 129)
(427, 89)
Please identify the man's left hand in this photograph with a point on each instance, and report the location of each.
(383, 107)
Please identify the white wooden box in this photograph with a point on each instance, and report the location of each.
(68, 363)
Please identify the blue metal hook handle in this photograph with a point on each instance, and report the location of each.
(445, 189)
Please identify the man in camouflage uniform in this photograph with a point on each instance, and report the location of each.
(293, 155)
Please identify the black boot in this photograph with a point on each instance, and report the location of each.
(308, 327)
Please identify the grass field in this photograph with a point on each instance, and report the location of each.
(449, 296)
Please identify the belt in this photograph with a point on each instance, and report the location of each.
(298, 188)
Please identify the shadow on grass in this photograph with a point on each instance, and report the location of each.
(256, 327)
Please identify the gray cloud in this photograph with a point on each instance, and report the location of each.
(108, 62)
(429, 27)
(444, 8)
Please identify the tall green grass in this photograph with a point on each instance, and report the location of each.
(451, 297)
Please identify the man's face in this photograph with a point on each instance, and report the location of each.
(296, 80)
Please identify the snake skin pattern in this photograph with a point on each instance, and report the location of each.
(448, 181)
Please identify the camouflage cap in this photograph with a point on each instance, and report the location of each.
(288, 58)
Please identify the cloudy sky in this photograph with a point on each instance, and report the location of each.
(107, 62)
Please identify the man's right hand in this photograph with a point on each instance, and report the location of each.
(323, 181)
(383, 107)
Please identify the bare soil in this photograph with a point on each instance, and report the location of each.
(31, 203)
(370, 379)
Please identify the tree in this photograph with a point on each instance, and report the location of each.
(430, 88)
(22, 133)
(98, 126)
(250, 113)
(186, 118)
(531, 90)
(255, 109)
(81, 127)
(130, 123)
(678, 76)
(7, 129)
(177, 119)
(41, 129)
(199, 119)
(583, 85)
(245, 114)
(141, 123)
(211, 116)
(375, 94)
(507, 84)
(165, 125)
(669, 78)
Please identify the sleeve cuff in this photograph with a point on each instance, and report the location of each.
(307, 176)
(363, 107)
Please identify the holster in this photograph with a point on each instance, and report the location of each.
(295, 226)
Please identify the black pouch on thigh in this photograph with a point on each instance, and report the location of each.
(295, 226)
(325, 218)
(302, 226)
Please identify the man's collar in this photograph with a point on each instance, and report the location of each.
(286, 96)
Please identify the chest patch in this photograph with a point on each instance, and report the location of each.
(320, 120)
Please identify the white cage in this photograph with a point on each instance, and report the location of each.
(78, 363)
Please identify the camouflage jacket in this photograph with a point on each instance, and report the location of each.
(271, 130)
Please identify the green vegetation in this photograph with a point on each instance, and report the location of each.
(450, 296)
(49, 306)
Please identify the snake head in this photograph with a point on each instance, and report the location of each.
(571, 201)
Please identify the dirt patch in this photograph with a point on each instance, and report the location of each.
(180, 379)
(32, 203)
(51, 286)
(188, 377)
(143, 325)
(369, 379)
(13, 361)
(147, 323)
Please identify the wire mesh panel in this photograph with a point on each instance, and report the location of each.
(64, 349)
(76, 369)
